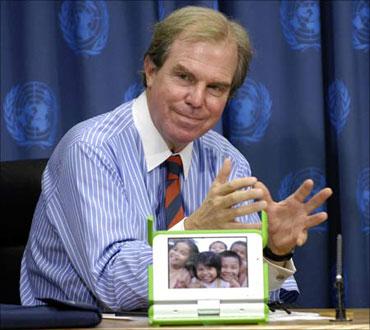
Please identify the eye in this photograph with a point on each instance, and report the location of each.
(183, 76)
(217, 90)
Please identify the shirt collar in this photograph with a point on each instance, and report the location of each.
(156, 150)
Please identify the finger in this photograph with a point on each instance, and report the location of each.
(315, 219)
(244, 226)
(302, 238)
(241, 196)
(254, 207)
(317, 200)
(224, 172)
(266, 192)
(303, 191)
(234, 185)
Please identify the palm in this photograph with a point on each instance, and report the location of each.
(281, 217)
(290, 218)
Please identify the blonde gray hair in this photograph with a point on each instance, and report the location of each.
(200, 24)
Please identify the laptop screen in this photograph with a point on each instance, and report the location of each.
(207, 262)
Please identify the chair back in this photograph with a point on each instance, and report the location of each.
(20, 187)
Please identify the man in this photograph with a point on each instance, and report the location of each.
(107, 174)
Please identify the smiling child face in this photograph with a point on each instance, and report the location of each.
(217, 247)
(206, 274)
(241, 250)
(179, 255)
(230, 268)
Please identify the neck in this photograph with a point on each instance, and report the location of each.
(175, 267)
(176, 149)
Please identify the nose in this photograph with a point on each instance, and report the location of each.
(196, 95)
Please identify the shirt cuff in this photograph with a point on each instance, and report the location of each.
(178, 226)
(278, 274)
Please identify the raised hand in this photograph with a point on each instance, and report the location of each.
(181, 279)
(290, 219)
(217, 211)
(232, 279)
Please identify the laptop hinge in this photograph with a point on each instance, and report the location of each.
(208, 307)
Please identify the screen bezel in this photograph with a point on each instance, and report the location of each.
(161, 291)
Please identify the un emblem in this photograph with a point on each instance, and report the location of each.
(363, 198)
(300, 22)
(249, 112)
(30, 113)
(85, 26)
(292, 181)
(360, 24)
(133, 91)
(339, 104)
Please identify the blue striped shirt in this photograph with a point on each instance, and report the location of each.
(88, 240)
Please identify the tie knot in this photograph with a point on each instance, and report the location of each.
(174, 164)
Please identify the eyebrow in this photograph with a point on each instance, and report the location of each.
(181, 68)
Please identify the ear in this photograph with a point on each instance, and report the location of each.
(150, 70)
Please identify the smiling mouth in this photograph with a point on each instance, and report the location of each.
(187, 119)
(207, 278)
(186, 115)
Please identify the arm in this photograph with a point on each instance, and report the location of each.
(103, 234)
(287, 293)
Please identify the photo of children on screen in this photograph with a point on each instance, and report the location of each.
(240, 248)
(207, 271)
(207, 263)
(181, 260)
(217, 247)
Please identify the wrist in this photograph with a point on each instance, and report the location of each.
(267, 253)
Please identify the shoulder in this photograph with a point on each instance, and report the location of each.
(217, 144)
(224, 284)
(105, 137)
(100, 132)
(101, 128)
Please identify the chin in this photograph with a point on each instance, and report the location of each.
(185, 138)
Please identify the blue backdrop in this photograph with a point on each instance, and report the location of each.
(303, 111)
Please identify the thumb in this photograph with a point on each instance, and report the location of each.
(266, 193)
(224, 172)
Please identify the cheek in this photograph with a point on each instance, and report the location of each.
(169, 93)
(216, 106)
(215, 113)
(235, 271)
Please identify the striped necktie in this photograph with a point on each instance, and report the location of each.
(173, 202)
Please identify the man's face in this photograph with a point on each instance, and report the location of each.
(187, 95)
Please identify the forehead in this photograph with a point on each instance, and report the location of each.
(239, 247)
(230, 260)
(202, 265)
(182, 246)
(214, 61)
